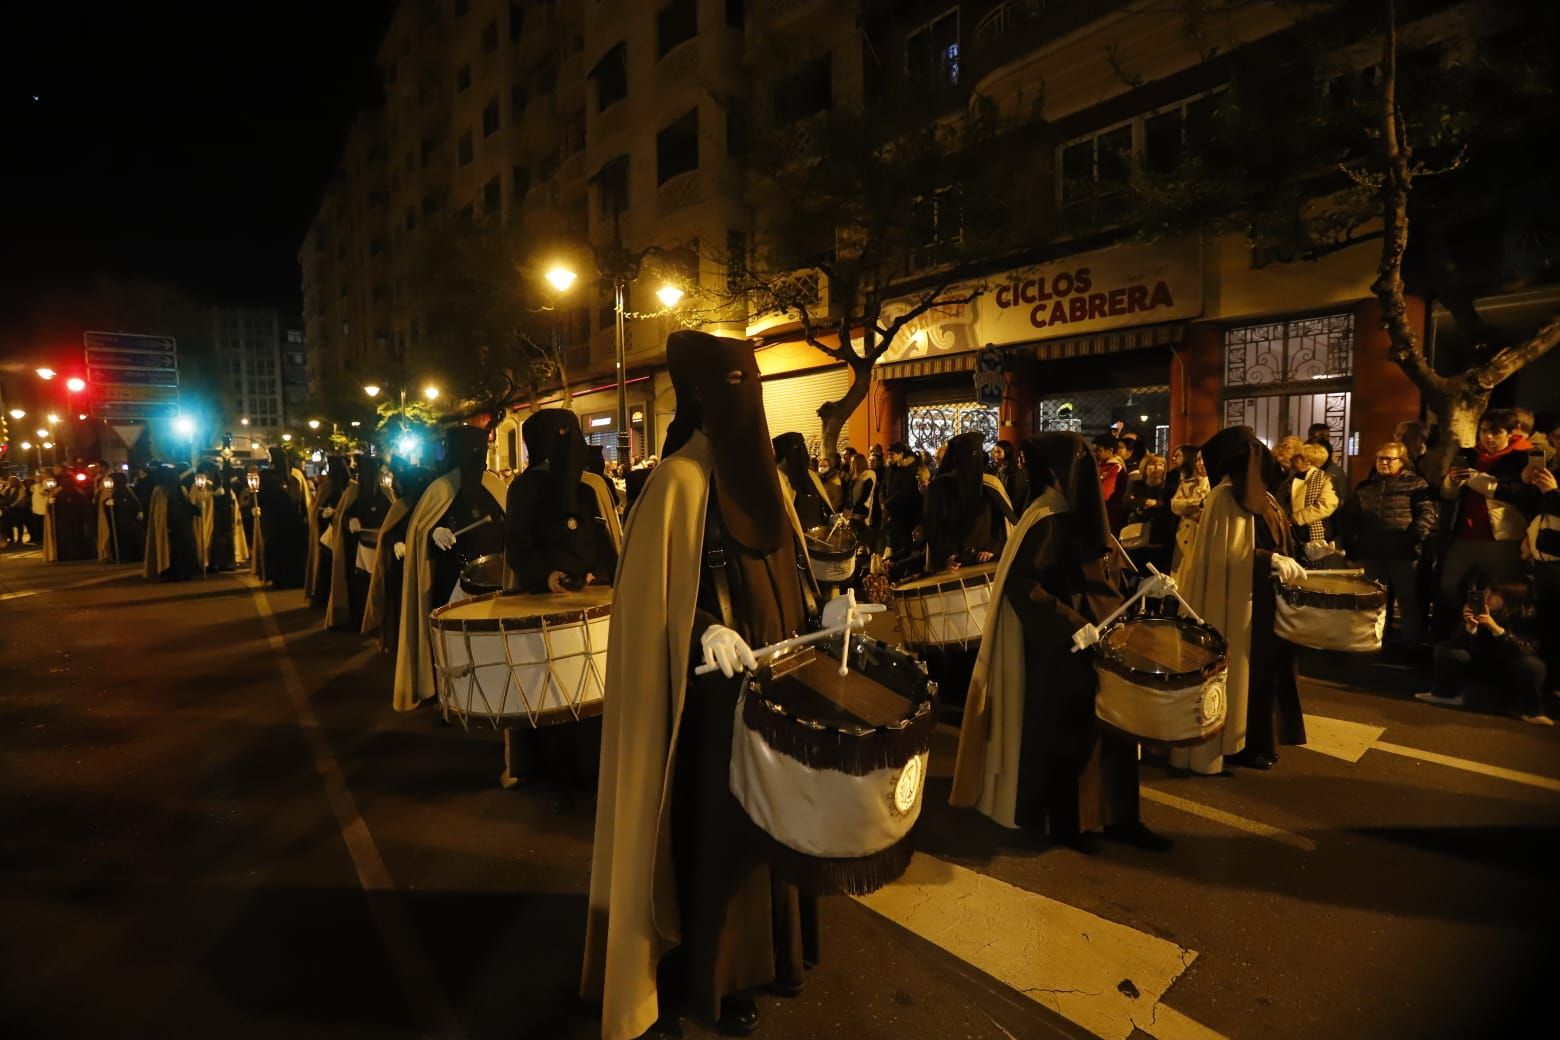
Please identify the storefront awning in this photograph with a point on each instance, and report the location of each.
(1115, 341)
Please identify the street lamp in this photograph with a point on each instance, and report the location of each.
(54, 420)
(45, 373)
(431, 392)
(669, 295)
(18, 413)
(286, 438)
(372, 389)
(75, 384)
(560, 277)
(244, 421)
(184, 426)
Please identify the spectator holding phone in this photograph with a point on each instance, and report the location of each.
(1385, 526)
(1490, 505)
(1496, 644)
(1542, 551)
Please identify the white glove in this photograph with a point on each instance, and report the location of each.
(726, 650)
(354, 525)
(444, 538)
(840, 608)
(1157, 586)
(400, 550)
(328, 512)
(1289, 572)
(1085, 637)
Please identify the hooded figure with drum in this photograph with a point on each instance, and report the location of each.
(733, 791)
(354, 531)
(1032, 753)
(562, 541)
(457, 520)
(382, 609)
(322, 526)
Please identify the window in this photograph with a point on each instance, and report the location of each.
(808, 90)
(1097, 169)
(677, 148)
(612, 186)
(1093, 171)
(611, 78)
(739, 123)
(736, 13)
(492, 196)
(677, 22)
(490, 118)
(516, 22)
(518, 97)
(1280, 377)
(574, 132)
(932, 50)
(521, 181)
(463, 149)
(463, 77)
(431, 204)
(937, 220)
(490, 37)
(428, 146)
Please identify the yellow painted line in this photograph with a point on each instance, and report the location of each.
(1097, 973)
(411, 965)
(1239, 823)
(1516, 776)
(1166, 1023)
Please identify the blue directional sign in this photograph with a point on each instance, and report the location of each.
(131, 376)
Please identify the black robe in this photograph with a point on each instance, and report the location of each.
(1072, 777)
(472, 502)
(283, 529)
(541, 540)
(222, 552)
(75, 529)
(369, 509)
(128, 539)
(324, 559)
(183, 551)
(983, 530)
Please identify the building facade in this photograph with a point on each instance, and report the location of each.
(249, 355)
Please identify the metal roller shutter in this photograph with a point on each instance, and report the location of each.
(791, 403)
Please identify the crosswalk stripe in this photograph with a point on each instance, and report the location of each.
(1545, 783)
(1339, 738)
(1166, 1023)
(1228, 819)
(1099, 974)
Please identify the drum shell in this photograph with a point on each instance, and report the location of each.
(832, 568)
(947, 610)
(544, 668)
(1350, 622)
(1169, 706)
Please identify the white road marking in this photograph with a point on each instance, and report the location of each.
(99, 580)
(423, 994)
(1543, 783)
(1166, 1023)
(1097, 973)
(1339, 738)
(1240, 823)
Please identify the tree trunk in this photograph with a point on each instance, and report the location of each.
(835, 413)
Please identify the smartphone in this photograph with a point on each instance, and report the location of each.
(1468, 458)
(1478, 600)
(1536, 457)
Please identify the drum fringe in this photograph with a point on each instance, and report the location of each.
(855, 876)
(855, 754)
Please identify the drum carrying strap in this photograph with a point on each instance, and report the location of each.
(715, 563)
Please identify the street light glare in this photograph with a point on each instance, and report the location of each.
(286, 438)
(244, 421)
(46, 373)
(184, 426)
(75, 384)
(669, 295)
(48, 444)
(372, 389)
(406, 445)
(82, 416)
(560, 277)
(314, 424)
(41, 432)
(17, 413)
(27, 445)
(431, 393)
(54, 419)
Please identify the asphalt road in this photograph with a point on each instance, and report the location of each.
(212, 824)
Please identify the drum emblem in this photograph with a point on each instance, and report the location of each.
(908, 787)
(1211, 710)
(572, 524)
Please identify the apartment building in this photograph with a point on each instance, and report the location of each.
(248, 344)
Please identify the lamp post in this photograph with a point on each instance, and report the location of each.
(621, 266)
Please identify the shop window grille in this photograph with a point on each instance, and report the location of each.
(930, 426)
(1272, 371)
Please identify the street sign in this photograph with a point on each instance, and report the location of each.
(122, 410)
(131, 376)
(988, 376)
(119, 392)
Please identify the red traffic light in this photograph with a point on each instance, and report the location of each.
(75, 384)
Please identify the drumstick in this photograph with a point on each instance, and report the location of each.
(787, 644)
(472, 526)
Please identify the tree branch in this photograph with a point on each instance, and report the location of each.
(1510, 360)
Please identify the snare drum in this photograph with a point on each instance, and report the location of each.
(831, 550)
(480, 577)
(511, 658)
(1332, 610)
(946, 609)
(1162, 680)
(368, 542)
(832, 767)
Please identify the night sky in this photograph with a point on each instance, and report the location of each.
(182, 142)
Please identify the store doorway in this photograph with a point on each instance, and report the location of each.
(1144, 410)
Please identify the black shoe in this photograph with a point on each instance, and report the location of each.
(738, 1016)
(1255, 760)
(1087, 844)
(786, 989)
(1138, 836)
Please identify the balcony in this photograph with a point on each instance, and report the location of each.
(682, 191)
(789, 14)
(679, 66)
(1017, 27)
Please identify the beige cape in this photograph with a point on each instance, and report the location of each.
(384, 552)
(159, 555)
(598, 486)
(1215, 579)
(985, 775)
(413, 658)
(338, 606)
(105, 529)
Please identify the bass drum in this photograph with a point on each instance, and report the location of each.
(480, 577)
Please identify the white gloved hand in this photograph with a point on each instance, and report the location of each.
(328, 512)
(1158, 586)
(1085, 637)
(839, 608)
(354, 525)
(444, 538)
(726, 650)
(1289, 572)
(400, 550)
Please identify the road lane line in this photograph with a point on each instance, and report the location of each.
(99, 580)
(1516, 776)
(423, 994)
(1166, 1023)
(1240, 823)
(1092, 971)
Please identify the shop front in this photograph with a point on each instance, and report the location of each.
(597, 408)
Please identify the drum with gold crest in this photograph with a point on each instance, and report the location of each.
(511, 659)
(947, 609)
(1332, 610)
(1162, 680)
(832, 768)
(831, 552)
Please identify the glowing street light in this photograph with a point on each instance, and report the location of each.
(184, 426)
(27, 445)
(406, 445)
(244, 421)
(431, 392)
(18, 413)
(42, 433)
(560, 277)
(54, 420)
(357, 422)
(82, 416)
(75, 384)
(372, 389)
(49, 445)
(286, 438)
(669, 295)
(314, 424)
(45, 372)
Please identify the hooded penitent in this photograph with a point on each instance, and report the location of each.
(652, 847)
(559, 517)
(792, 459)
(382, 611)
(1028, 734)
(284, 502)
(317, 574)
(1219, 579)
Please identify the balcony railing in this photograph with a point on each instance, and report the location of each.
(1012, 29)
